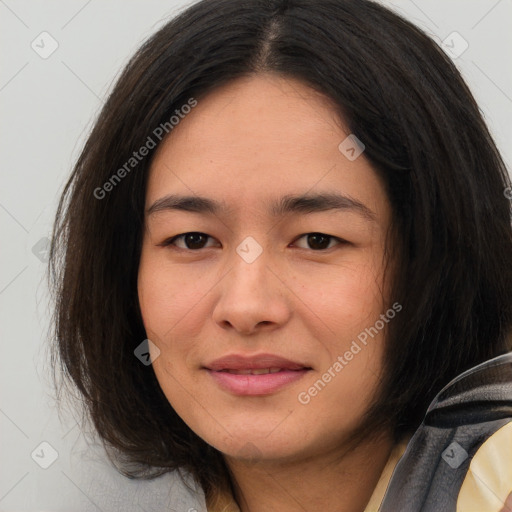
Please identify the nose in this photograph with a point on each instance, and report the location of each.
(252, 297)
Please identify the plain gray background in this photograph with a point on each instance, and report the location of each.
(47, 108)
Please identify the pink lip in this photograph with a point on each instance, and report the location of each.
(256, 384)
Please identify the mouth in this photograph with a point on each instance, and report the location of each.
(255, 376)
(256, 382)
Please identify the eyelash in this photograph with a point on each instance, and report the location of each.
(170, 241)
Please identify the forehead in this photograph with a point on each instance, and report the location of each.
(258, 117)
(260, 137)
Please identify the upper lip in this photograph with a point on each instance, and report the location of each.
(240, 362)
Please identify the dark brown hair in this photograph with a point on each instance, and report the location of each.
(403, 97)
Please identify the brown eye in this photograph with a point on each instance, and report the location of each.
(319, 241)
(192, 241)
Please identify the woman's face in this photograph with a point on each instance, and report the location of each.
(254, 280)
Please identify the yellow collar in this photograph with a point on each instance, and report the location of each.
(385, 476)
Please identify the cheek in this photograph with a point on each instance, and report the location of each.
(346, 298)
(167, 297)
(164, 303)
(338, 394)
(173, 307)
(347, 303)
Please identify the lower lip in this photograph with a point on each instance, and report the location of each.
(254, 385)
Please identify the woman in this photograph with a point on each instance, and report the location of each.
(281, 265)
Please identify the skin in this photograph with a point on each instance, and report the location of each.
(249, 142)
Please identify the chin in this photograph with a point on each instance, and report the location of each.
(253, 440)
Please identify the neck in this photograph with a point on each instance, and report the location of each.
(341, 479)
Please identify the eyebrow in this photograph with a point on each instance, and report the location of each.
(308, 203)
